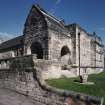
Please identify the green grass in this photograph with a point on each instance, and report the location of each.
(98, 89)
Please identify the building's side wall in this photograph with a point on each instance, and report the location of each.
(85, 49)
(56, 42)
(87, 53)
(12, 52)
(72, 30)
(99, 55)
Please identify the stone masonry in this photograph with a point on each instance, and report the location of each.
(76, 50)
(28, 80)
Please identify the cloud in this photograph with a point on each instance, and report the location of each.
(5, 36)
(58, 1)
(52, 11)
(101, 28)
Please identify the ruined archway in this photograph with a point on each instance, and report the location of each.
(64, 51)
(37, 49)
(65, 56)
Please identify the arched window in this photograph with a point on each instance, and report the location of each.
(37, 49)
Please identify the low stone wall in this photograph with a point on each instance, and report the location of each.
(25, 77)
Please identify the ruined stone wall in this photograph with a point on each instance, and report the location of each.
(25, 77)
(90, 57)
(72, 30)
(35, 30)
(57, 41)
(85, 49)
(99, 56)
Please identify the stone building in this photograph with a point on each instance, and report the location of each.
(74, 50)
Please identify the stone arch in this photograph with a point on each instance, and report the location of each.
(36, 48)
(65, 50)
(65, 55)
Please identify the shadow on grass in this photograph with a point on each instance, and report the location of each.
(77, 81)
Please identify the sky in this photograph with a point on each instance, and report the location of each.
(90, 14)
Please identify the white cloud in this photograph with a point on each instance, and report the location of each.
(52, 11)
(58, 1)
(5, 36)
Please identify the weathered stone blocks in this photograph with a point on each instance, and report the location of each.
(35, 86)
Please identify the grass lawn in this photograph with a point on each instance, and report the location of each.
(98, 89)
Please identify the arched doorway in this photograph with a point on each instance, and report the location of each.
(37, 49)
(64, 51)
(65, 56)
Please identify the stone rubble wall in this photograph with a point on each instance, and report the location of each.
(25, 77)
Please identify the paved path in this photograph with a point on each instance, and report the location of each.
(8, 97)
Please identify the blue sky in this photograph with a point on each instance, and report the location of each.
(90, 14)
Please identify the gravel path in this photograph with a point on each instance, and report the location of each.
(8, 97)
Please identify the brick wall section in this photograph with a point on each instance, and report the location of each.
(25, 77)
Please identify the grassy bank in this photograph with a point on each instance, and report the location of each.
(98, 89)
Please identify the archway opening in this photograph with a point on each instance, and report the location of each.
(64, 51)
(37, 49)
(65, 57)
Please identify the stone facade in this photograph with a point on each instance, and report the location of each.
(50, 39)
(88, 50)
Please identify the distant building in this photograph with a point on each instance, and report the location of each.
(49, 38)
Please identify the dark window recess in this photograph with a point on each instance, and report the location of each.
(37, 49)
